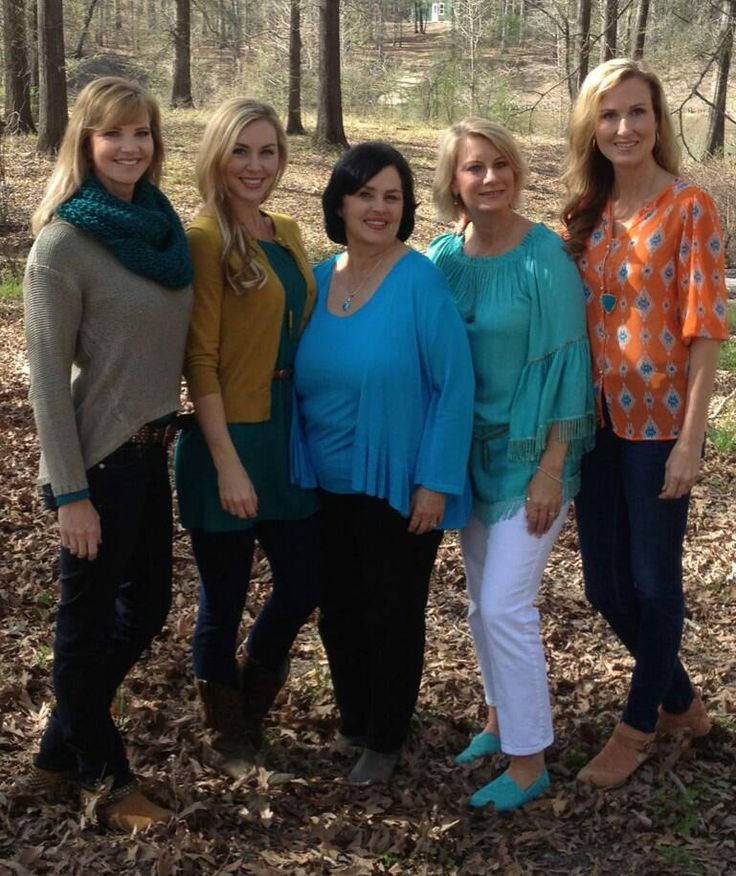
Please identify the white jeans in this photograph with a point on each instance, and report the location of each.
(503, 568)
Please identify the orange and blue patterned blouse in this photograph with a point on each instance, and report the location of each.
(649, 291)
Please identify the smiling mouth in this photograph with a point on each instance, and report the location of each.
(251, 183)
(377, 224)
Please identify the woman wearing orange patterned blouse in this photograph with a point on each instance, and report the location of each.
(650, 251)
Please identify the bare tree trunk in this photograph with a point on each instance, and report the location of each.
(181, 90)
(51, 76)
(330, 128)
(583, 42)
(18, 115)
(32, 43)
(294, 118)
(610, 28)
(717, 123)
(85, 29)
(641, 29)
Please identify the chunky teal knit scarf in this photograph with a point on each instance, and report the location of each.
(145, 235)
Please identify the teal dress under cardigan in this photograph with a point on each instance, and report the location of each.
(263, 448)
(524, 313)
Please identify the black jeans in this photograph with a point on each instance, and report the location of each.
(224, 561)
(109, 610)
(631, 545)
(374, 594)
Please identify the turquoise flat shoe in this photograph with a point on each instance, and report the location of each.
(481, 745)
(505, 794)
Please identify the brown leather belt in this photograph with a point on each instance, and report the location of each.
(150, 434)
(283, 373)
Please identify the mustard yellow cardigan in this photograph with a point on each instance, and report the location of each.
(234, 339)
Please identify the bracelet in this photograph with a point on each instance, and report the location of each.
(549, 474)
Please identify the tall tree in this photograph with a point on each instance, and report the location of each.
(18, 115)
(610, 29)
(181, 89)
(52, 115)
(330, 127)
(717, 122)
(583, 42)
(294, 117)
(79, 51)
(640, 34)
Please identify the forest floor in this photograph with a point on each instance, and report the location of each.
(295, 813)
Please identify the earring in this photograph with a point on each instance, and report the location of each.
(594, 143)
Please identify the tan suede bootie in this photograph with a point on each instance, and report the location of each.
(45, 786)
(694, 722)
(626, 750)
(125, 809)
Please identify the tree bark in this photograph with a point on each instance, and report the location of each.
(294, 116)
(717, 122)
(641, 29)
(330, 128)
(181, 89)
(610, 29)
(52, 116)
(18, 115)
(582, 40)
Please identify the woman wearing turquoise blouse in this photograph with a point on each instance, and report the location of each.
(522, 303)
(385, 391)
(253, 292)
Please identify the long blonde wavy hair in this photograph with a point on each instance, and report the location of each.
(215, 151)
(588, 174)
(104, 102)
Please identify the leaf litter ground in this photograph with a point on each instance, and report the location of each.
(295, 813)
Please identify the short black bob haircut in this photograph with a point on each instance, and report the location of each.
(354, 170)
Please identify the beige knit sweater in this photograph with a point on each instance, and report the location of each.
(105, 348)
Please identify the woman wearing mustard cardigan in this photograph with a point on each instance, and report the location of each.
(253, 292)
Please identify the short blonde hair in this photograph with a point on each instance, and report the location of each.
(215, 150)
(110, 100)
(588, 174)
(448, 207)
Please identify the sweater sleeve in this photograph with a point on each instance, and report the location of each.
(53, 313)
(447, 365)
(555, 386)
(201, 366)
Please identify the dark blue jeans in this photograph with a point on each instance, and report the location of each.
(631, 545)
(374, 595)
(224, 560)
(109, 611)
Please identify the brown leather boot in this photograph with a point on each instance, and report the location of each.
(46, 786)
(626, 750)
(229, 749)
(694, 722)
(125, 809)
(260, 687)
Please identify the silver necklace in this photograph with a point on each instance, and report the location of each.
(347, 301)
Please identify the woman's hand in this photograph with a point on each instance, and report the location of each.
(680, 471)
(543, 502)
(427, 510)
(80, 530)
(237, 494)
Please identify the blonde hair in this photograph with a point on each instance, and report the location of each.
(588, 174)
(215, 150)
(107, 101)
(449, 208)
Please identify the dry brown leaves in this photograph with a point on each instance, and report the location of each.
(295, 814)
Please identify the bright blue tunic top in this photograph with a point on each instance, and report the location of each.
(524, 313)
(385, 395)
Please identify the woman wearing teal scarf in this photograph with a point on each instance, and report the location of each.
(107, 296)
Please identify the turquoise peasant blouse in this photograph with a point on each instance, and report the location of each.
(524, 313)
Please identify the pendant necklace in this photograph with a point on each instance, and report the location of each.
(347, 301)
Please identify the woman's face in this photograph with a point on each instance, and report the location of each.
(626, 126)
(373, 214)
(484, 180)
(121, 154)
(253, 164)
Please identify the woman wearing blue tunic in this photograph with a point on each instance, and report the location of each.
(522, 303)
(385, 391)
(253, 292)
